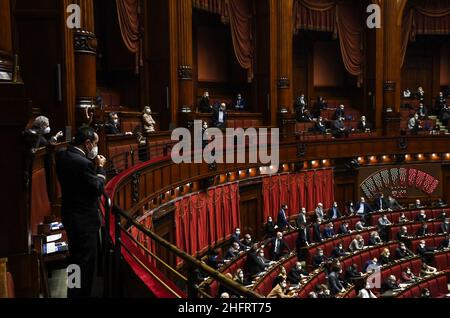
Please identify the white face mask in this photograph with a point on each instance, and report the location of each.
(46, 131)
(93, 153)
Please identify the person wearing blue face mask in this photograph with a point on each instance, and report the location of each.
(81, 174)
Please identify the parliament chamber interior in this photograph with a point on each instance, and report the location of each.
(137, 134)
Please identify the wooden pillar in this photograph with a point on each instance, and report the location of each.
(393, 15)
(185, 57)
(285, 33)
(85, 49)
(379, 73)
(6, 45)
(285, 36)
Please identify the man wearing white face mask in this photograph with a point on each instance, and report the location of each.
(40, 131)
(82, 177)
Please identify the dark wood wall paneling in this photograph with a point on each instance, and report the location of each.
(251, 205)
(261, 82)
(41, 49)
(333, 81)
(422, 66)
(225, 77)
(115, 64)
(157, 59)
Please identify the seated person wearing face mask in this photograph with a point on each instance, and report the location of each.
(280, 291)
(296, 274)
(39, 133)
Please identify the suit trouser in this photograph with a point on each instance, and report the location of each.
(82, 252)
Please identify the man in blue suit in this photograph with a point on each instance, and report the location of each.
(282, 221)
(362, 208)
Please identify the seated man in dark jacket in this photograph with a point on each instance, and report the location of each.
(339, 251)
(339, 129)
(296, 274)
(319, 259)
(256, 262)
(213, 260)
(278, 247)
(334, 282)
(320, 126)
(403, 252)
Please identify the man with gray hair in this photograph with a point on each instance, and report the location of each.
(39, 133)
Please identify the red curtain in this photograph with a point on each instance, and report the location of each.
(318, 15)
(342, 20)
(425, 18)
(213, 6)
(304, 189)
(205, 219)
(128, 12)
(350, 37)
(240, 14)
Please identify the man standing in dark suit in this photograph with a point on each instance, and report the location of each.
(303, 239)
(380, 203)
(220, 117)
(282, 221)
(82, 178)
(239, 104)
(205, 105)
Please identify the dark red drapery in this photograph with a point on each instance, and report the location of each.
(128, 13)
(204, 219)
(300, 190)
(425, 18)
(239, 14)
(342, 20)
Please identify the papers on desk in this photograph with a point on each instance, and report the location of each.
(53, 238)
(55, 226)
(52, 247)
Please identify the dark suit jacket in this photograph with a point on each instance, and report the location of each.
(112, 129)
(282, 221)
(399, 253)
(317, 236)
(254, 266)
(269, 229)
(330, 213)
(334, 283)
(343, 230)
(445, 244)
(339, 113)
(303, 237)
(422, 231)
(239, 104)
(367, 208)
(363, 128)
(317, 260)
(237, 239)
(444, 228)
(337, 252)
(321, 129)
(328, 233)
(204, 106)
(301, 219)
(81, 185)
(215, 119)
(282, 250)
(294, 275)
(383, 204)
